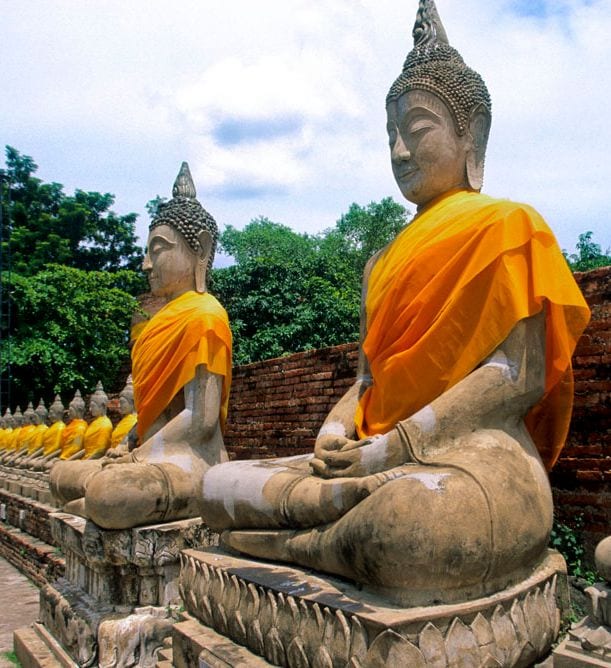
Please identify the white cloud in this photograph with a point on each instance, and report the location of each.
(283, 101)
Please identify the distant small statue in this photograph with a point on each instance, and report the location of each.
(428, 482)
(181, 367)
(73, 437)
(97, 435)
(120, 434)
(52, 438)
(33, 447)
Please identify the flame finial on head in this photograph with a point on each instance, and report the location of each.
(184, 186)
(428, 28)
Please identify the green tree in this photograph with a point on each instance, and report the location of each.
(589, 254)
(289, 292)
(70, 329)
(48, 226)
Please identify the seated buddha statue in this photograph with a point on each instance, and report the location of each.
(119, 437)
(428, 479)
(22, 441)
(97, 435)
(52, 437)
(73, 436)
(7, 430)
(15, 441)
(181, 369)
(34, 441)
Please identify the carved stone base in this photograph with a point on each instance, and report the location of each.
(115, 605)
(295, 618)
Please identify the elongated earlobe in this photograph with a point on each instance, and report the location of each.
(479, 129)
(203, 257)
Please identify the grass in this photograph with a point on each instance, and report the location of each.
(12, 657)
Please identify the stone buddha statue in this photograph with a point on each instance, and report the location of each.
(26, 433)
(428, 479)
(99, 430)
(34, 441)
(7, 434)
(119, 437)
(181, 368)
(73, 436)
(20, 422)
(52, 437)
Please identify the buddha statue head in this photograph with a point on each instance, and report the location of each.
(56, 410)
(28, 414)
(76, 408)
(18, 417)
(126, 398)
(9, 421)
(41, 413)
(98, 401)
(439, 114)
(182, 241)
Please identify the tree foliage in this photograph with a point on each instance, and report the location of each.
(589, 254)
(47, 226)
(288, 291)
(70, 329)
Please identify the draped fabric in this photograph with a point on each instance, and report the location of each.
(97, 436)
(52, 438)
(120, 432)
(5, 438)
(13, 439)
(190, 330)
(35, 440)
(448, 291)
(22, 441)
(73, 438)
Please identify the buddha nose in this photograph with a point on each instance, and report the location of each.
(399, 152)
(147, 265)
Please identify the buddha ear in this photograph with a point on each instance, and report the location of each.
(203, 257)
(479, 129)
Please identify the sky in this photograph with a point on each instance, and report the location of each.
(278, 105)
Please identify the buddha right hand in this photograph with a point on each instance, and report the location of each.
(326, 443)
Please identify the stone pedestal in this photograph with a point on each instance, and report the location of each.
(117, 602)
(295, 618)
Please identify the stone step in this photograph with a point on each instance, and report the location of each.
(36, 648)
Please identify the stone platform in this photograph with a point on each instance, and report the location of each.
(118, 599)
(295, 618)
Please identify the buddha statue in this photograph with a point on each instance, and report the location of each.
(73, 436)
(181, 369)
(52, 437)
(99, 430)
(119, 437)
(34, 443)
(7, 433)
(22, 441)
(14, 440)
(428, 479)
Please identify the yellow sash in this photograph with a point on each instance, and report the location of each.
(72, 438)
(35, 441)
(190, 330)
(120, 432)
(22, 442)
(448, 291)
(52, 438)
(97, 436)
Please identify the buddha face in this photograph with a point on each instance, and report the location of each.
(97, 406)
(169, 263)
(126, 404)
(75, 411)
(56, 413)
(428, 157)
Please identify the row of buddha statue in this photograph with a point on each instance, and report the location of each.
(37, 438)
(428, 478)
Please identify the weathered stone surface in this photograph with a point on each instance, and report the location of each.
(292, 617)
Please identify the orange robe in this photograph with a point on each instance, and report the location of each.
(35, 440)
(120, 432)
(73, 438)
(97, 436)
(52, 438)
(22, 441)
(448, 291)
(190, 330)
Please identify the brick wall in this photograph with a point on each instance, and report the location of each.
(582, 475)
(278, 405)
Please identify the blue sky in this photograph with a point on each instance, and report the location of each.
(278, 106)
